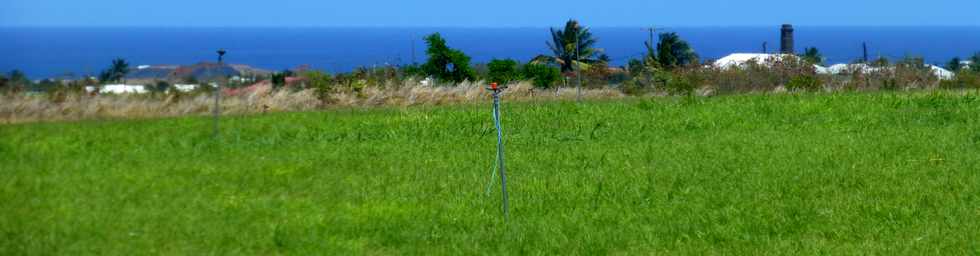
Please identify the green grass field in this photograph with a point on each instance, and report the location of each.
(850, 173)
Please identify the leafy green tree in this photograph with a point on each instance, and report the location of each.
(650, 59)
(46, 85)
(635, 67)
(954, 64)
(912, 62)
(672, 51)
(880, 62)
(446, 64)
(503, 71)
(812, 55)
(115, 72)
(16, 80)
(541, 75)
(411, 70)
(975, 66)
(279, 78)
(321, 83)
(161, 86)
(567, 45)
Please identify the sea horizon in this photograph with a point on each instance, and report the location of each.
(59, 51)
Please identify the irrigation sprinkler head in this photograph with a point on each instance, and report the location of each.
(496, 88)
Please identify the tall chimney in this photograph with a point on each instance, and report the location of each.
(865, 46)
(786, 39)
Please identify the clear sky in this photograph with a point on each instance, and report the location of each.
(487, 13)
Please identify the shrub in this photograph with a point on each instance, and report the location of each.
(681, 85)
(965, 79)
(803, 83)
(502, 71)
(320, 82)
(542, 76)
(413, 70)
(160, 86)
(446, 64)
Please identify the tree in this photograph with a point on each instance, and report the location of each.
(882, 61)
(502, 71)
(16, 80)
(567, 45)
(161, 86)
(541, 75)
(446, 64)
(320, 82)
(975, 65)
(115, 72)
(812, 55)
(672, 51)
(635, 67)
(279, 78)
(954, 64)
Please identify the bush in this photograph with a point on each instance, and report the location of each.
(446, 64)
(542, 76)
(160, 86)
(503, 71)
(321, 83)
(804, 83)
(680, 86)
(965, 79)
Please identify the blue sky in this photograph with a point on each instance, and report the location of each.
(492, 13)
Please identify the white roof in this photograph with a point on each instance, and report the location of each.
(185, 87)
(738, 59)
(941, 73)
(122, 88)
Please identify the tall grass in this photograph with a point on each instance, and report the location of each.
(889, 173)
(19, 108)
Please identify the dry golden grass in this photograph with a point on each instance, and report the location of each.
(20, 108)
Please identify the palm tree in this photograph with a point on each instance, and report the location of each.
(812, 55)
(116, 71)
(672, 51)
(570, 46)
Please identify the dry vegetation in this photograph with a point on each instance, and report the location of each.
(19, 108)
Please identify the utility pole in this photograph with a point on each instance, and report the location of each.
(764, 44)
(575, 65)
(217, 93)
(652, 31)
(413, 51)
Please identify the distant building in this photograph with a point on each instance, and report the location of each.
(739, 60)
(118, 89)
(966, 63)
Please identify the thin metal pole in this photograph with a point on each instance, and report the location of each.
(500, 152)
(575, 65)
(217, 95)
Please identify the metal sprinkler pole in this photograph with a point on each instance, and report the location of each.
(217, 94)
(578, 75)
(500, 148)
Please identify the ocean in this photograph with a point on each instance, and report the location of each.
(55, 52)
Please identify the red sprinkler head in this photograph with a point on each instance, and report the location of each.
(493, 86)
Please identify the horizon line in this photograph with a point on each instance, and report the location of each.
(467, 27)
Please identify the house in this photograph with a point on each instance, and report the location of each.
(118, 89)
(765, 59)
